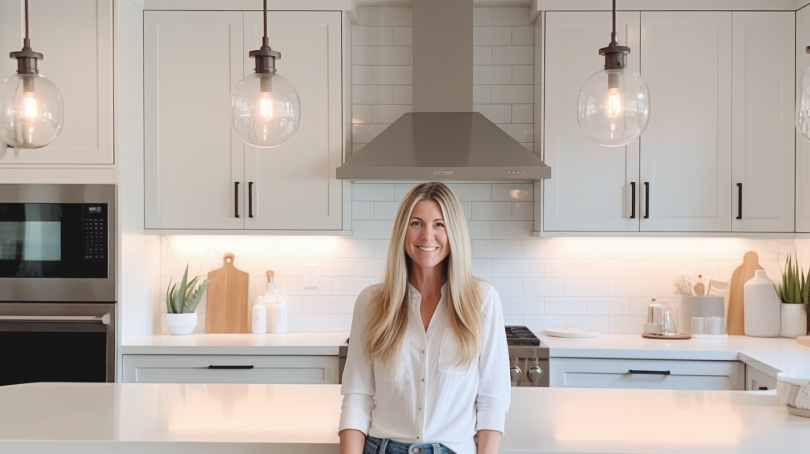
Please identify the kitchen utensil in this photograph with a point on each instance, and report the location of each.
(572, 332)
(717, 288)
(762, 307)
(736, 291)
(227, 300)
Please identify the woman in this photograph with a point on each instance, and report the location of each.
(428, 368)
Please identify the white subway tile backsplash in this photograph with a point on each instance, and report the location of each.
(601, 324)
(511, 319)
(391, 75)
(385, 211)
(372, 229)
(510, 16)
(506, 286)
(388, 16)
(540, 323)
(586, 248)
(384, 55)
(362, 114)
(520, 305)
(328, 304)
(536, 286)
(517, 267)
(388, 114)
(363, 211)
(492, 36)
(551, 248)
(482, 55)
(497, 249)
(373, 192)
(369, 267)
(523, 36)
(319, 322)
(352, 285)
(512, 94)
(566, 268)
(630, 248)
(608, 306)
(512, 55)
(635, 287)
(403, 36)
(491, 211)
(585, 287)
(482, 16)
(372, 94)
(627, 324)
(365, 133)
(608, 268)
(401, 189)
(496, 113)
(403, 94)
(361, 75)
(482, 94)
(522, 113)
(381, 248)
(492, 75)
(482, 268)
(522, 211)
(523, 133)
(505, 230)
(566, 305)
(480, 230)
(472, 192)
(372, 36)
(511, 192)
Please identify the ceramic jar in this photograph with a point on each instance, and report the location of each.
(181, 323)
(762, 307)
(794, 320)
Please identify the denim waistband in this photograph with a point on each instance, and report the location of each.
(389, 446)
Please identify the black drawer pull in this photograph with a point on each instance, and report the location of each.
(230, 367)
(633, 200)
(236, 199)
(646, 200)
(739, 200)
(250, 199)
(649, 372)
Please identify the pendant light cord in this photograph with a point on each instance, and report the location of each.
(27, 42)
(265, 19)
(612, 35)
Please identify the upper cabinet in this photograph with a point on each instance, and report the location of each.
(76, 39)
(802, 145)
(199, 174)
(721, 90)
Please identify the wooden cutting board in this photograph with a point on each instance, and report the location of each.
(226, 306)
(736, 289)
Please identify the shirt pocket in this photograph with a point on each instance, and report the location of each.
(449, 355)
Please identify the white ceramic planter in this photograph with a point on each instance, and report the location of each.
(181, 323)
(762, 307)
(794, 320)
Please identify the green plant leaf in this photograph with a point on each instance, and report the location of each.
(181, 291)
(190, 305)
(175, 301)
(190, 287)
(169, 308)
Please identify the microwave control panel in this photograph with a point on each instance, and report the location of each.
(95, 231)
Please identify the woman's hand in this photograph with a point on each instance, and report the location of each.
(353, 441)
(487, 441)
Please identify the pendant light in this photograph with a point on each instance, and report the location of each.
(803, 104)
(613, 107)
(31, 108)
(266, 108)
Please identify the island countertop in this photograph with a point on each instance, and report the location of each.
(180, 418)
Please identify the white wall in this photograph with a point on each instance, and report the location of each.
(602, 283)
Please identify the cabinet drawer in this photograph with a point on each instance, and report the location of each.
(647, 374)
(230, 369)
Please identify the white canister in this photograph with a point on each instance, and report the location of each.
(762, 307)
(794, 320)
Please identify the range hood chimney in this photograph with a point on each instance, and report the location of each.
(443, 139)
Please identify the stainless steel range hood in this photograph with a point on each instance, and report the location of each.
(443, 139)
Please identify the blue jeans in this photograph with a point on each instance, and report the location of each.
(389, 446)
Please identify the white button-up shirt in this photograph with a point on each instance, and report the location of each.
(428, 398)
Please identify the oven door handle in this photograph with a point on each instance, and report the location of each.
(105, 319)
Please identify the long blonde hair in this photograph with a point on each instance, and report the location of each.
(388, 311)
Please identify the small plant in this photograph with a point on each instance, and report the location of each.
(183, 299)
(794, 288)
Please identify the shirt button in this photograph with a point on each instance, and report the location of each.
(423, 380)
(423, 350)
(420, 408)
(414, 449)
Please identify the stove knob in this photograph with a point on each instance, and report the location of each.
(515, 373)
(535, 375)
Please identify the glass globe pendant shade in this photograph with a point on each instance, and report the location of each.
(31, 111)
(266, 110)
(803, 107)
(613, 107)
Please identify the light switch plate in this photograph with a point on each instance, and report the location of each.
(311, 275)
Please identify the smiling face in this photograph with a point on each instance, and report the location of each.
(426, 237)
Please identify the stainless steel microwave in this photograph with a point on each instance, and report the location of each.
(57, 242)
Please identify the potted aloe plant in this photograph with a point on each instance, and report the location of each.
(181, 302)
(794, 291)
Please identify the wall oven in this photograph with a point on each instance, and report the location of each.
(57, 283)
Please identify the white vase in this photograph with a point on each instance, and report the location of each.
(762, 307)
(181, 323)
(794, 320)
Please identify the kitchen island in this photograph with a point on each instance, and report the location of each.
(180, 418)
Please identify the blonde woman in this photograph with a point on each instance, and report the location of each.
(428, 368)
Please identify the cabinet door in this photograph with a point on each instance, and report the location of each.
(762, 139)
(686, 149)
(76, 39)
(230, 369)
(192, 60)
(294, 184)
(591, 186)
(802, 145)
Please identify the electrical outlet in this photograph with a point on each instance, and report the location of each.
(311, 276)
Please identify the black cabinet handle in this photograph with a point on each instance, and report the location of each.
(739, 200)
(230, 367)
(250, 199)
(633, 200)
(236, 199)
(646, 200)
(649, 372)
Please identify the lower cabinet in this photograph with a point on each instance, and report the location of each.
(230, 369)
(756, 380)
(647, 374)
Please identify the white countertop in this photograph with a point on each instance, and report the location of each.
(162, 418)
(322, 343)
(771, 355)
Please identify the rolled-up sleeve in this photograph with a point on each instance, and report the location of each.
(358, 388)
(492, 401)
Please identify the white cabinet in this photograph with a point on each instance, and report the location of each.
(646, 374)
(802, 145)
(76, 39)
(591, 189)
(199, 174)
(762, 139)
(230, 369)
(686, 148)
